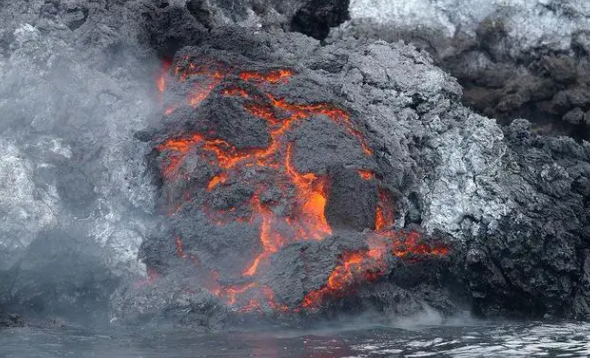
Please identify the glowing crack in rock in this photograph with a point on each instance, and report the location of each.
(306, 220)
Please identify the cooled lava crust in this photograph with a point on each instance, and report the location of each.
(271, 189)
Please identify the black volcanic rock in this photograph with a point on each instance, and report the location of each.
(514, 204)
(509, 57)
(535, 262)
(83, 123)
(172, 25)
(315, 18)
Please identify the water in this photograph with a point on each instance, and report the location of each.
(355, 341)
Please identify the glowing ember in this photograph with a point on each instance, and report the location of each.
(411, 245)
(162, 76)
(383, 212)
(272, 77)
(308, 192)
(366, 174)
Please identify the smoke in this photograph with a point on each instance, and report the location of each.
(74, 88)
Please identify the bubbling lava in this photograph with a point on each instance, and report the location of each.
(306, 221)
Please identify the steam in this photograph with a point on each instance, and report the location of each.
(69, 165)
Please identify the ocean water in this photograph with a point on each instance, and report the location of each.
(359, 340)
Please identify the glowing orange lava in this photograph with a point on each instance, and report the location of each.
(383, 212)
(162, 76)
(366, 174)
(308, 192)
(272, 77)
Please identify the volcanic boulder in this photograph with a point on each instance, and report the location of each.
(276, 200)
(171, 25)
(515, 59)
(381, 116)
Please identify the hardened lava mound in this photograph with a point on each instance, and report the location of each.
(273, 196)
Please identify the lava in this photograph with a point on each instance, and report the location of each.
(307, 192)
(161, 79)
(383, 212)
(411, 245)
(366, 174)
(272, 76)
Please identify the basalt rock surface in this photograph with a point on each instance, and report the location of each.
(491, 194)
(280, 194)
(514, 58)
(264, 172)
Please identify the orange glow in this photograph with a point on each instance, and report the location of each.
(411, 244)
(366, 174)
(170, 110)
(235, 91)
(337, 115)
(383, 212)
(179, 149)
(231, 292)
(152, 276)
(161, 80)
(356, 267)
(369, 265)
(216, 180)
(307, 192)
(272, 77)
(201, 91)
(271, 240)
(312, 194)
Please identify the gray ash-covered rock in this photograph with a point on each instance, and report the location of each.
(171, 24)
(535, 260)
(514, 58)
(10, 320)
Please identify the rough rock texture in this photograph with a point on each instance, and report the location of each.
(81, 123)
(515, 203)
(214, 232)
(172, 23)
(514, 58)
(168, 300)
(313, 18)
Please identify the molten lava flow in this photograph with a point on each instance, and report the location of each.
(411, 245)
(271, 240)
(216, 180)
(307, 192)
(272, 77)
(383, 212)
(370, 264)
(202, 90)
(356, 267)
(366, 174)
(162, 77)
(179, 148)
(312, 195)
